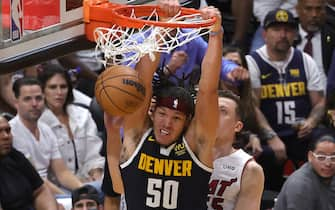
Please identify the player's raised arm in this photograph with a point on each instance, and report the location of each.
(146, 68)
(203, 128)
(135, 124)
(113, 125)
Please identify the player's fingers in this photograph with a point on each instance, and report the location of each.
(210, 12)
(170, 7)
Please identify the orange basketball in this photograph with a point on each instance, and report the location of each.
(119, 91)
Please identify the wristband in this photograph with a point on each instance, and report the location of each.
(269, 134)
(214, 33)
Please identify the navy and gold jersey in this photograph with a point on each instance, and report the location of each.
(158, 177)
(284, 97)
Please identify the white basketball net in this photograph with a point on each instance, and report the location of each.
(126, 46)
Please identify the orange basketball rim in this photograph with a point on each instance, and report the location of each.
(102, 13)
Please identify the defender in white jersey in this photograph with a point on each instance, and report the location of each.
(237, 180)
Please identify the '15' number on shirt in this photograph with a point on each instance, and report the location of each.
(285, 112)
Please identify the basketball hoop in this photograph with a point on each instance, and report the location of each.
(138, 30)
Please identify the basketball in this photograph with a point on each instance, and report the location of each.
(119, 91)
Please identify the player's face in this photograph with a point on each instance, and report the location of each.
(279, 38)
(311, 14)
(324, 167)
(56, 90)
(168, 124)
(229, 123)
(5, 137)
(85, 204)
(30, 103)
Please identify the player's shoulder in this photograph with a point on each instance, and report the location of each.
(253, 170)
(252, 179)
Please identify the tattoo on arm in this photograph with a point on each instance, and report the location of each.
(317, 113)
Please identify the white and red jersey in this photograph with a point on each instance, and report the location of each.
(225, 181)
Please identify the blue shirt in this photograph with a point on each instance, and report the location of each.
(195, 50)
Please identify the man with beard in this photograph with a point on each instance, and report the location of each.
(35, 139)
(316, 35)
(288, 87)
(20, 185)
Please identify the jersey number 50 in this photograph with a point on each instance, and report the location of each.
(162, 193)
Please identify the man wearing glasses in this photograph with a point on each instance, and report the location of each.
(313, 185)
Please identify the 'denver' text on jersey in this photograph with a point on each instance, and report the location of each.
(283, 94)
(158, 177)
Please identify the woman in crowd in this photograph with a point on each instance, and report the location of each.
(73, 125)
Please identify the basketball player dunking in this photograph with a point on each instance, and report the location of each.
(166, 162)
(237, 180)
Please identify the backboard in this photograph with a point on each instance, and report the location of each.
(33, 31)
